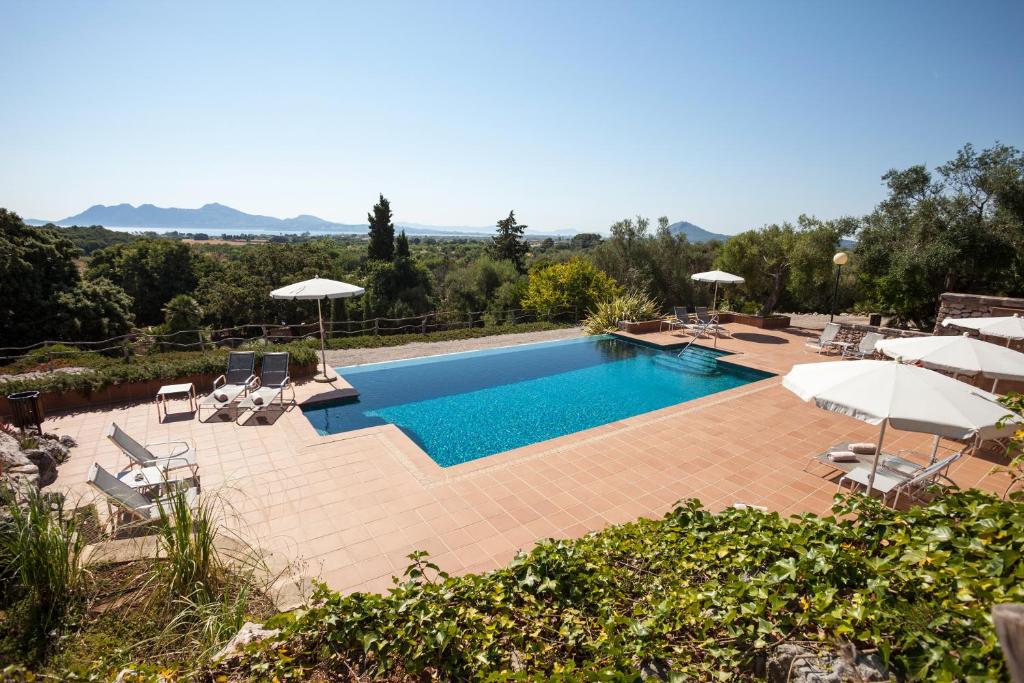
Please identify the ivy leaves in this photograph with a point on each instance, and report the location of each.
(694, 595)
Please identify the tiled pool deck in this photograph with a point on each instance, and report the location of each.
(349, 507)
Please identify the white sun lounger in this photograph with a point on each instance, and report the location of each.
(180, 456)
(236, 381)
(124, 501)
(270, 386)
(825, 342)
(890, 482)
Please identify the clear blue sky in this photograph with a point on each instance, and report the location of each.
(727, 114)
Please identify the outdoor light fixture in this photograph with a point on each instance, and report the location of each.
(840, 260)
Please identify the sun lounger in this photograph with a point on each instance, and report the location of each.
(181, 455)
(894, 484)
(865, 348)
(706, 320)
(827, 341)
(270, 386)
(839, 458)
(680, 320)
(236, 381)
(125, 502)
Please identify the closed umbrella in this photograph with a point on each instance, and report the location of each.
(960, 354)
(905, 396)
(1008, 327)
(717, 276)
(319, 288)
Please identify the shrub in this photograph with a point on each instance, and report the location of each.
(633, 306)
(575, 285)
(701, 595)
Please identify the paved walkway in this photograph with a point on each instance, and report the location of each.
(349, 507)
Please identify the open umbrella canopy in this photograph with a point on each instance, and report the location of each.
(907, 397)
(717, 276)
(318, 288)
(1007, 327)
(959, 354)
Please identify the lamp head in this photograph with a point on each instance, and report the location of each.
(840, 258)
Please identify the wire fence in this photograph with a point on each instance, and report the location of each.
(207, 339)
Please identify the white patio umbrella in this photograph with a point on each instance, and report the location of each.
(1009, 327)
(959, 354)
(319, 288)
(717, 276)
(905, 396)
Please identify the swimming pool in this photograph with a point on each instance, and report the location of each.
(465, 406)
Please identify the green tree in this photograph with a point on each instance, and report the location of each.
(152, 271)
(396, 289)
(382, 231)
(508, 244)
(402, 246)
(575, 285)
(183, 318)
(36, 266)
(473, 287)
(957, 229)
(93, 310)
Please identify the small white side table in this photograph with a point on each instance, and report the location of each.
(175, 390)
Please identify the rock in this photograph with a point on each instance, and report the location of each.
(67, 442)
(45, 463)
(796, 664)
(249, 633)
(19, 471)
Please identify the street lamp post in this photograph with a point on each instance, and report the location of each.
(840, 260)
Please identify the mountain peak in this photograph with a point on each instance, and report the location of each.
(695, 233)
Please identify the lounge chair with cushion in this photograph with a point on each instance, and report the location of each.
(707, 320)
(866, 347)
(270, 386)
(179, 455)
(236, 381)
(827, 341)
(848, 456)
(127, 503)
(895, 484)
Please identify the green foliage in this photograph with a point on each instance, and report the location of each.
(574, 285)
(474, 287)
(152, 271)
(633, 306)
(381, 231)
(36, 266)
(395, 289)
(374, 341)
(41, 549)
(105, 372)
(957, 230)
(659, 265)
(1014, 403)
(402, 246)
(703, 596)
(508, 244)
(92, 238)
(93, 310)
(777, 259)
(183, 319)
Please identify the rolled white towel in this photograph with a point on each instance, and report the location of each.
(843, 456)
(257, 400)
(220, 396)
(865, 448)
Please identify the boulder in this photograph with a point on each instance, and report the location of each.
(793, 663)
(15, 468)
(249, 633)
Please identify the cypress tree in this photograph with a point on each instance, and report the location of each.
(509, 244)
(401, 246)
(382, 231)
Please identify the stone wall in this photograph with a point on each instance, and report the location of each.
(854, 333)
(952, 305)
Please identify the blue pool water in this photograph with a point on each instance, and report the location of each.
(469, 405)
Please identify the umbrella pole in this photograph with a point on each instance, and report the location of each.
(714, 299)
(322, 377)
(995, 383)
(878, 456)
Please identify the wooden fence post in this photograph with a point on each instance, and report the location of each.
(424, 328)
(1009, 622)
(376, 327)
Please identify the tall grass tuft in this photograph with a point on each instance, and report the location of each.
(192, 568)
(41, 549)
(633, 306)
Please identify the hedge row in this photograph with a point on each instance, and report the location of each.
(104, 372)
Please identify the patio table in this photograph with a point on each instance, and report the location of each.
(173, 390)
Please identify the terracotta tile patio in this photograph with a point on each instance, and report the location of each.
(349, 507)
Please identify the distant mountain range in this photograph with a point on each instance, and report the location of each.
(695, 233)
(213, 217)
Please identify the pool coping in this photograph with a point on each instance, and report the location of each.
(431, 474)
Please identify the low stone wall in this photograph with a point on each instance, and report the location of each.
(854, 333)
(954, 305)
